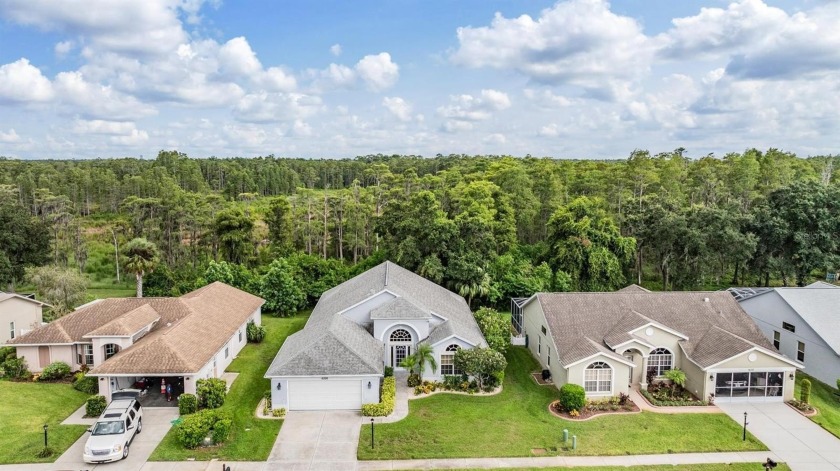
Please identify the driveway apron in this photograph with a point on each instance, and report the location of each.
(156, 423)
(316, 440)
(795, 439)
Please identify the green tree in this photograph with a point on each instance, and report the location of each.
(480, 363)
(423, 355)
(495, 327)
(24, 242)
(280, 225)
(141, 258)
(586, 243)
(280, 290)
(62, 288)
(233, 228)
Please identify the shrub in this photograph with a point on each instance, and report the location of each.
(211, 392)
(838, 384)
(86, 384)
(7, 353)
(221, 428)
(572, 397)
(15, 368)
(95, 406)
(389, 371)
(187, 404)
(254, 332)
(281, 412)
(194, 428)
(413, 380)
(805, 393)
(495, 327)
(55, 371)
(483, 364)
(389, 396)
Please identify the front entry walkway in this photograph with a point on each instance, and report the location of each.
(316, 440)
(795, 439)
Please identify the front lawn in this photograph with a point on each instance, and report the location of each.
(665, 467)
(517, 421)
(25, 408)
(826, 402)
(251, 439)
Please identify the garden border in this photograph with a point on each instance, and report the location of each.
(595, 416)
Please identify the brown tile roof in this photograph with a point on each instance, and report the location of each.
(217, 311)
(713, 322)
(128, 323)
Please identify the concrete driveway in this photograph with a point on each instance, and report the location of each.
(316, 440)
(156, 423)
(802, 444)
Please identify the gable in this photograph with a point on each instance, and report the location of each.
(360, 312)
(755, 358)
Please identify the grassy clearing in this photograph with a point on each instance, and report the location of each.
(517, 420)
(681, 467)
(251, 439)
(25, 408)
(823, 397)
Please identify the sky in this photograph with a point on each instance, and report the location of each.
(336, 79)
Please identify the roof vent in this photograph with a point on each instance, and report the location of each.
(705, 300)
(169, 324)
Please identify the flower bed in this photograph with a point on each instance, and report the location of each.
(449, 383)
(661, 395)
(592, 408)
(802, 407)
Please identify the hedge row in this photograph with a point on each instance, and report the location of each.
(389, 397)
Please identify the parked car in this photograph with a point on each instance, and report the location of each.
(114, 431)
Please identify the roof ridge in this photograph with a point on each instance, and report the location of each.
(341, 341)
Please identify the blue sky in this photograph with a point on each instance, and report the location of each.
(575, 78)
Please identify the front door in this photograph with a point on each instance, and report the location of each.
(399, 353)
(43, 356)
(629, 357)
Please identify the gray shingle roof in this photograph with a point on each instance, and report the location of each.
(574, 317)
(321, 347)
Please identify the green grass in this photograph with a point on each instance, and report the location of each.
(516, 421)
(251, 439)
(681, 467)
(25, 408)
(826, 402)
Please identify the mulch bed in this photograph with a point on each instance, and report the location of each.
(810, 413)
(629, 408)
(538, 378)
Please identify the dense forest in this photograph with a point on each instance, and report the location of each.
(488, 227)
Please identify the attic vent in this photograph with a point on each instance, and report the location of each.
(705, 300)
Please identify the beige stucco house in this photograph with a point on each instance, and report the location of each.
(148, 341)
(18, 315)
(608, 341)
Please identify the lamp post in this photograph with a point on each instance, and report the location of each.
(745, 426)
(371, 433)
(45, 435)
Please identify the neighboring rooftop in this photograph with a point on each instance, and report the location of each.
(819, 307)
(26, 297)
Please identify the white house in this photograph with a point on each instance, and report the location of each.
(18, 315)
(802, 323)
(144, 342)
(362, 325)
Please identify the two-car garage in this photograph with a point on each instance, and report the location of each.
(324, 393)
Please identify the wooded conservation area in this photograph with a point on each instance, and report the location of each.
(487, 227)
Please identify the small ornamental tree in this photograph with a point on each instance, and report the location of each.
(805, 393)
(572, 397)
(280, 290)
(495, 327)
(677, 378)
(254, 332)
(480, 363)
(211, 392)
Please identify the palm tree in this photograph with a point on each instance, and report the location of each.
(141, 258)
(424, 354)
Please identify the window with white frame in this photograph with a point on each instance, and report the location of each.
(111, 349)
(777, 339)
(11, 330)
(549, 356)
(447, 361)
(597, 378)
(85, 354)
(660, 361)
(800, 351)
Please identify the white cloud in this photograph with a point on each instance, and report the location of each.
(471, 108)
(546, 98)
(579, 42)
(134, 138)
(378, 71)
(22, 82)
(335, 50)
(301, 128)
(97, 101)
(495, 139)
(237, 57)
(9, 137)
(549, 130)
(398, 107)
(62, 48)
(99, 126)
(274, 107)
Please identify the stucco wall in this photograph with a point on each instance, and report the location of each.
(538, 343)
(25, 314)
(620, 376)
(440, 349)
(696, 380)
(65, 353)
(360, 314)
(660, 338)
(769, 311)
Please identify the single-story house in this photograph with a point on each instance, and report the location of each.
(801, 323)
(362, 325)
(18, 315)
(130, 341)
(607, 341)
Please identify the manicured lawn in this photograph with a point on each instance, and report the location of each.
(826, 402)
(25, 408)
(517, 420)
(251, 439)
(682, 467)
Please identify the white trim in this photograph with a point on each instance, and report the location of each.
(623, 360)
(38, 344)
(341, 312)
(401, 323)
(328, 376)
(639, 341)
(761, 350)
(17, 296)
(439, 316)
(528, 301)
(453, 336)
(599, 393)
(662, 328)
(125, 375)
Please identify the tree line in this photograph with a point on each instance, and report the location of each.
(487, 227)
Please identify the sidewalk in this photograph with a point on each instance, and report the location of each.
(400, 402)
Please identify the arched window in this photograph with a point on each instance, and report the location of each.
(660, 361)
(447, 361)
(597, 378)
(111, 349)
(400, 335)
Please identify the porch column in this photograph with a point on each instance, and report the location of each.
(643, 383)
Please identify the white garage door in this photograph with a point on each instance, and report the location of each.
(322, 394)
